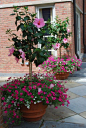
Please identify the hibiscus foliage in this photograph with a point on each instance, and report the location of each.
(30, 30)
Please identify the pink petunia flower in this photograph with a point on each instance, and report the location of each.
(39, 89)
(65, 40)
(11, 50)
(56, 46)
(3, 98)
(21, 99)
(5, 111)
(12, 101)
(51, 85)
(39, 23)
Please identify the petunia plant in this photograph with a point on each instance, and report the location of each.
(30, 30)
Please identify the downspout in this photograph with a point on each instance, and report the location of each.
(75, 32)
(83, 29)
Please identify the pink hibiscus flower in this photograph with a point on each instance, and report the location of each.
(11, 50)
(68, 30)
(65, 40)
(22, 54)
(16, 59)
(56, 46)
(39, 23)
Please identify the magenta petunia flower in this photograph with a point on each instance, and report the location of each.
(65, 40)
(56, 46)
(11, 50)
(39, 23)
(3, 98)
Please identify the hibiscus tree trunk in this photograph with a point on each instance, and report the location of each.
(60, 52)
(30, 71)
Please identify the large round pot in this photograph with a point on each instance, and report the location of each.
(62, 75)
(35, 112)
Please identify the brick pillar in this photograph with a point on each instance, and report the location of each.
(1, 116)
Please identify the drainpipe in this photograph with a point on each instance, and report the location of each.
(75, 35)
(83, 30)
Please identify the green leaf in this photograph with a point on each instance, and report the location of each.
(12, 14)
(26, 18)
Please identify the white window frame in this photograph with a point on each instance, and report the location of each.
(54, 52)
(79, 36)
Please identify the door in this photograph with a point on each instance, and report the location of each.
(78, 33)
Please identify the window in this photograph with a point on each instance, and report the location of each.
(47, 12)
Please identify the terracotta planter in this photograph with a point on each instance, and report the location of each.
(35, 112)
(62, 75)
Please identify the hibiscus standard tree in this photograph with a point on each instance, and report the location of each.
(31, 31)
(60, 33)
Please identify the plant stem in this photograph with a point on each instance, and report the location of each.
(60, 52)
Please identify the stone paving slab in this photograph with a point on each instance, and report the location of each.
(72, 95)
(78, 105)
(72, 84)
(52, 124)
(28, 125)
(75, 119)
(83, 114)
(57, 114)
(81, 90)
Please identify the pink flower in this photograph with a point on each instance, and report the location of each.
(21, 99)
(68, 30)
(54, 98)
(41, 96)
(56, 107)
(16, 91)
(51, 85)
(56, 46)
(22, 54)
(39, 23)
(47, 101)
(21, 94)
(32, 96)
(9, 105)
(5, 111)
(17, 116)
(3, 98)
(39, 89)
(12, 101)
(4, 103)
(11, 50)
(65, 40)
(16, 59)
(13, 121)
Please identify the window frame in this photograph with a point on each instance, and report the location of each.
(54, 52)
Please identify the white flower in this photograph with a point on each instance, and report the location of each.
(28, 106)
